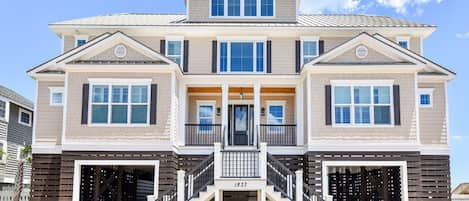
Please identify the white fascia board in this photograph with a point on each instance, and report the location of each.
(123, 68)
(363, 69)
(101, 145)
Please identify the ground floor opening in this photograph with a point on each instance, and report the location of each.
(240, 195)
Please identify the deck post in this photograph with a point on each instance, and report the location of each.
(263, 161)
(180, 185)
(217, 161)
(299, 185)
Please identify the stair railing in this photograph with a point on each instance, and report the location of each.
(309, 194)
(170, 195)
(281, 178)
(199, 178)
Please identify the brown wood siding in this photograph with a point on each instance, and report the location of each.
(428, 176)
(45, 183)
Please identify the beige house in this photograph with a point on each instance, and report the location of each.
(241, 100)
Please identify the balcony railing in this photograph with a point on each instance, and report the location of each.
(278, 135)
(240, 164)
(203, 134)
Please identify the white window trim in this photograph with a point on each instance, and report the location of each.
(276, 103)
(7, 110)
(424, 91)
(308, 39)
(5, 151)
(175, 39)
(371, 84)
(21, 110)
(403, 39)
(401, 164)
(56, 90)
(206, 103)
(80, 37)
(110, 83)
(18, 152)
(254, 41)
(79, 163)
(241, 11)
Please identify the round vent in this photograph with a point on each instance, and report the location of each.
(120, 51)
(361, 52)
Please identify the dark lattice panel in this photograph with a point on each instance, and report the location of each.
(45, 183)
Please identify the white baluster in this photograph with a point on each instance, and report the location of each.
(299, 185)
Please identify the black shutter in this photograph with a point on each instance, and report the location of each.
(328, 105)
(163, 47)
(269, 56)
(214, 56)
(154, 95)
(185, 67)
(298, 55)
(321, 47)
(397, 105)
(84, 103)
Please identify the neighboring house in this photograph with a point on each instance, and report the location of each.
(252, 100)
(460, 193)
(16, 125)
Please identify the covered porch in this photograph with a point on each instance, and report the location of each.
(241, 115)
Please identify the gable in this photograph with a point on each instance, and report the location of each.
(108, 55)
(374, 57)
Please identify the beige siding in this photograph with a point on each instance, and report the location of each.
(68, 43)
(415, 45)
(76, 131)
(373, 57)
(330, 43)
(433, 124)
(200, 55)
(285, 11)
(283, 56)
(406, 131)
(108, 55)
(49, 118)
(151, 42)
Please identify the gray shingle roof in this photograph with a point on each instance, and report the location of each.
(316, 20)
(15, 97)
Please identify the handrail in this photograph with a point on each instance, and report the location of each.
(169, 195)
(281, 178)
(309, 194)
(199, 178)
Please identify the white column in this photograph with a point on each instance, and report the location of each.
(308, 108)
(299, 185)
(180, 185)
(263, 161)
(182, 114)
(224, 109)
(263, 197)
(299, 114)
(217, 161)
(257, 109)
(217, 195)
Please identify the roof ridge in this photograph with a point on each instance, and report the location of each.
(16, 97)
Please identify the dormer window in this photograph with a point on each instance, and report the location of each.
(403, 42)
(80, 40)
(242, 8)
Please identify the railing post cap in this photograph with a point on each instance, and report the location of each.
(181, 172)
(299, 172)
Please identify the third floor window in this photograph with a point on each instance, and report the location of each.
(242, 8)
(242, 56)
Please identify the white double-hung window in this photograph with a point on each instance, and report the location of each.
(242, 56)
(309, 49)
(362, 104)
(120, 103)
(56, 96)
(276, 116)
(206, 115)
(174, 49)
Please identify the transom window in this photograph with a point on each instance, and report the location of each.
(24, 117)
(206, 115)
(174, 50)
(426, 97)
(120, 104)
(242, 8)
(309, 49)
(80, 40)
(242, 56)
(362, 105)
(56, 96)
(3, 109)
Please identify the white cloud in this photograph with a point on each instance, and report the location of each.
(347, 6)
(463, 35)
(401, 6)
(319, 6)
(457, 137)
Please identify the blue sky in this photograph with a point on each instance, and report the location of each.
(27, 41)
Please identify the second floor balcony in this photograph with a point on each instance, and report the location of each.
(246, 117)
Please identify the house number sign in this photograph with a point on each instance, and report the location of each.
(240, 184)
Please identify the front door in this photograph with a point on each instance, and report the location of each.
(241, 117)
